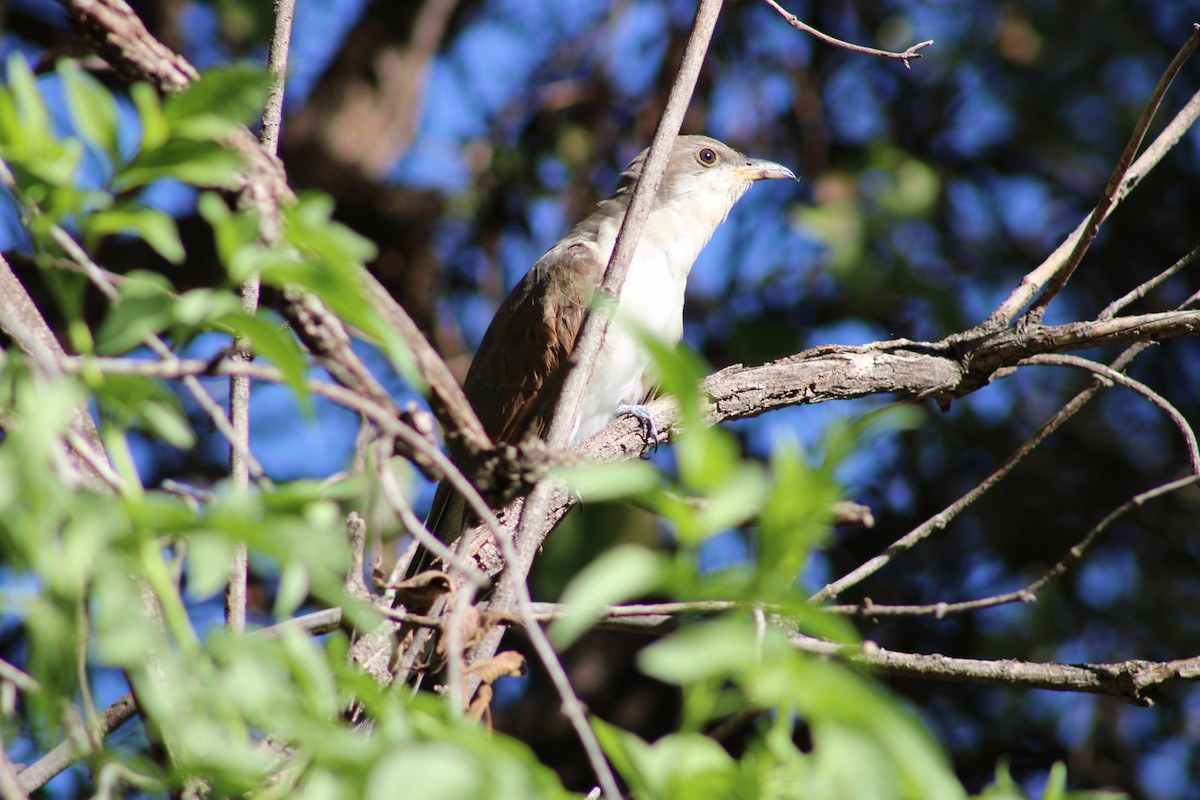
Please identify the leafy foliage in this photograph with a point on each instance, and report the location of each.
(225, 706)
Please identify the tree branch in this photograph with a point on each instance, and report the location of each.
(1058, 279)
(906, 57)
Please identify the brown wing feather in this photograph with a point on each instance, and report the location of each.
(517, 372)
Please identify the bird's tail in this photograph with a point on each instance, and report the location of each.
(446, 521)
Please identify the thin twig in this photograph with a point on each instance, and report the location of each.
(239, 386)
(1141, 290)
(905, 56)
(1129, 680)
(1108, 197)
(1026, 594)
(393, 495)
(1109, 374)
(18, 678)
(211, 407)
(1032, 283)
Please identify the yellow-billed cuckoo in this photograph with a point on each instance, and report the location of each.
(519, 368)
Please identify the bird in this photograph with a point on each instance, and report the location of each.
(519, 368)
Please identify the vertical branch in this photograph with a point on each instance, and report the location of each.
(512, 591)
(239, 385)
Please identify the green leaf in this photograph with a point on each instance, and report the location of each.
(92, 107)
(1003, 787)
(12, 130)
(30, 108)
(688, 766)
(710, 650)
(626, 751)
(145, 307)
(608, 480)
(165, 420)
(234, 233)
(428, 770)
(155, 130)
(221, 99)
(618, 575)
(204, 308)
(1056, 783)
(209, 560)
(274, 343)
(734, 501)
(311, 671)
(294, 584)
(146, 404)
(197, 163)
(150, 225)
(796, 516)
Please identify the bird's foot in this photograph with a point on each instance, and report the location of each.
(649, 429)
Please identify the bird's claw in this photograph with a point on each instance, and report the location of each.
(649, 429)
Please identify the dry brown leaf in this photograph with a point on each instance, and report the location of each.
(510, 663)
(481, 706)
(418, 593)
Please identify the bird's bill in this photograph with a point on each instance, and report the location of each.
(757, 169)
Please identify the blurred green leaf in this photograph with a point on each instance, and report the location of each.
(733, 502)
(1056, 783)
(209, 561)
(28, 104)
(626, 752)
(204, 308)
(685, 766)
(430, 771)
(676, 767)
(277, 345)
(796, 517)
(146, 404)
(146, 307)
(609, 480)
(699, 652)
(150, 225)
(198, 163)
(222, 98)
(155, 130)
(92, 107)
(618, 575)
(293, 589)
(165, 420)
(234, 233)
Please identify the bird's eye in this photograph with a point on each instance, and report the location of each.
(707, 156)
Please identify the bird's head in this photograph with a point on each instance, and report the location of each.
(701, 165)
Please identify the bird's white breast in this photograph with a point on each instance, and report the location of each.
(652, 297)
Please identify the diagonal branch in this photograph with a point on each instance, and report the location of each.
(1108, 197)
(1033, 282)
